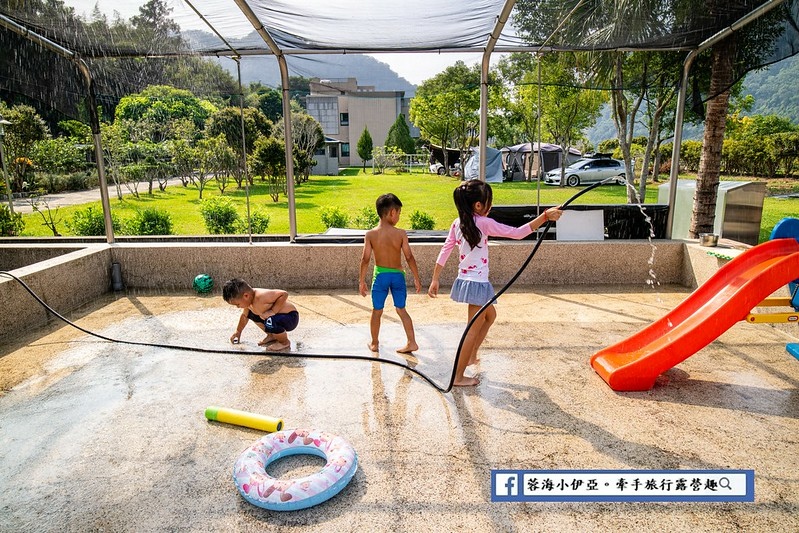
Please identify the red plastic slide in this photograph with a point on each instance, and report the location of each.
(726, 298)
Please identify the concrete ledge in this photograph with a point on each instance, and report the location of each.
(65, 283)
(24, 254)
(326, 266)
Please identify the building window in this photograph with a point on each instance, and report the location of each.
(345, 149)
(333, 150)
(344, 119)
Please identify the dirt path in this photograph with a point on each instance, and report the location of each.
(23, 205)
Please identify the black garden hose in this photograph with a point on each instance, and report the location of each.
(404, 366)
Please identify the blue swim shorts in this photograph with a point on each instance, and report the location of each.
(279, 323)
(386, 279)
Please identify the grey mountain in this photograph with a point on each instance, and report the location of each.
(366, 69)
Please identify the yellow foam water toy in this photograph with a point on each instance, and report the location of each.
(243, 418)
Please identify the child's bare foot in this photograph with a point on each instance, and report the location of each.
(473, 361)
(465, 382)
(277, 345)
(269, 338)
(373, 346)
(408, 348)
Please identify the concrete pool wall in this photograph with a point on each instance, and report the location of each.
(68, 276)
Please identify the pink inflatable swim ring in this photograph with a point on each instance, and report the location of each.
(261, 489)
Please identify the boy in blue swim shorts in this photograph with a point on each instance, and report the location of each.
(269, 309)
(388, 244)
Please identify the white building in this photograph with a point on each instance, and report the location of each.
(344, 109)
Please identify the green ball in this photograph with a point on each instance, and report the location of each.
(203, 283)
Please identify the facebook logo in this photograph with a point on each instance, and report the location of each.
(505, 484)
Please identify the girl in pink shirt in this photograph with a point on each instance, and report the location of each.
(470, 232)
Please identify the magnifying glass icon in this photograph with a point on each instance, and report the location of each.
(724, 483)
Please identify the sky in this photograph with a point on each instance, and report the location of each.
(414, 67)
(419, 67)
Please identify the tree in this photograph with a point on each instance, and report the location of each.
(658, 111)
(213, 154)
(627, 74)
(26, 128)
(307, 135)
(184, 160)
(299, 88)
(387, 157)
(446, 108)
(365, 146)
(158, 33)
(59, 155)
(115, 149)
(53, 85)
(160, 112)
(518, 98)
(269, 161)
(785, 147)
(154, 23)
(267, 99)
(431, 116)
(227, 122)
(570, 109)
(399, 136)
(707, 181)
(736, 53)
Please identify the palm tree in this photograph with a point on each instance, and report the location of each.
(707, 181)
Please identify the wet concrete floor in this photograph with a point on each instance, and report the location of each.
(97, 436)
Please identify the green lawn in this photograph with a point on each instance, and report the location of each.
(774, 210)
(354, 190)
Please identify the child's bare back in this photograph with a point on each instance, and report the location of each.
(387, 243)
(274, 300)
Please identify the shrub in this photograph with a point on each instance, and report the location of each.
(421, 220)
(608, 146)
(335, 217)
(90, 222)
(11, 224)
(58, 155)
(690, 154)
(219, 214)
(80, 181)
(49, 183)
(55, 183)
(259, 220)
(367, 218)
(150, 221)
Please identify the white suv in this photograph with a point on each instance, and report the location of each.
(588, 171)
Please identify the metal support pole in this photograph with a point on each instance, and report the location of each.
(502, 19)
(284, 78)
(675, 151)
(244, 151)
(540, 170)
(94, 123)
(4, 122)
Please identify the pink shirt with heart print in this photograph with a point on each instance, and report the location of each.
(473, 262)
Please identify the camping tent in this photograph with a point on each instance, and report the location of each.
(493, 165)
(521, 161)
